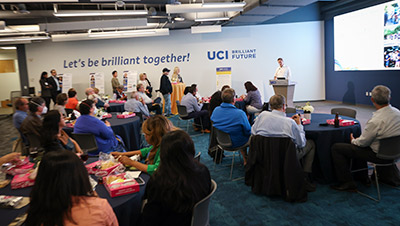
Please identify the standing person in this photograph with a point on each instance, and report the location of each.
(166, 90)
(63, 195)
(46, 88)
(178, 184)
(54, 82)
(384, 123)
(114, 81)
(176, 77)
(283, 71)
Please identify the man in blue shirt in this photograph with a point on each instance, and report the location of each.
(194, 109)
(229, 119)
(21, 109)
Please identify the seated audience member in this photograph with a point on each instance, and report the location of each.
(63, 195)
(32, 124)
(120, 95)
(384, 123)
(276, 124)
(154, 129)
(152, 105)
(53, 138)
(61, 101)
(21, 109)
(229, 119)
(194, 87)
(72, 102)
(97, 94)
(194, 109)
(216, 99)
(100, 103)
(146, 84)
(252, 99)
(178, 184)
(134, 105)
(12, 157)
(87, 123)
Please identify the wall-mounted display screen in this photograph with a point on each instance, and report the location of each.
(368, 39)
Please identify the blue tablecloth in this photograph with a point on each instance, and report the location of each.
(324, 137)
(116, 107)
(126, 207)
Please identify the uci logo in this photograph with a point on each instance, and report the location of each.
(220, 55)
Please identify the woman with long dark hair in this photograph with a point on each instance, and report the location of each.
(252, 99)
(178, 184)
(52, 135)
(154, 129)
(63, 196)
(46, 88)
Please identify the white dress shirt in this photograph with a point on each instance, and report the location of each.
(283, 72)
(276, 124)
(146, 99)
(384, 123)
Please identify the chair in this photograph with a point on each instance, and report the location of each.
(224, 142)
(273, 169)
(183, 115)
(389, 149)
(200, 216)
(197, 156)
(290, 110)
(87, 142)
(345, 112)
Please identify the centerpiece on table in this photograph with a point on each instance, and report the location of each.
(308, 109)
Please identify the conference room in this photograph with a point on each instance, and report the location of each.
(337, 52)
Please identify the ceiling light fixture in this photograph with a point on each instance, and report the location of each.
(211, 19)
(206, 29)
(205, 7)
(22, 38)
(100, 13)
(8, 47)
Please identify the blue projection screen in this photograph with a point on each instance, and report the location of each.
(368, 39)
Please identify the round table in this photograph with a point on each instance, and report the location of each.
(116, 107)
(126, 208)
(177, 94)
(128, 129)
(324, 137)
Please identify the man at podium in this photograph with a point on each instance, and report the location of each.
(283, 71)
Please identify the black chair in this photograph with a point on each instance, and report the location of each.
(200, 216)
(389, 149)
(224, 142)
(183, 115)
(345, 112)
(87, 142)
(273, 169)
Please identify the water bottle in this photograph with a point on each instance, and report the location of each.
(337, 120)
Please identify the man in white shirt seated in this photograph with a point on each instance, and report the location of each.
(276, 124)
(194, 109)
(134, 105)
(283, 71)
(152, 105)
(384, 123)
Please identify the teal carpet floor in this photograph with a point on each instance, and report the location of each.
(234, 204)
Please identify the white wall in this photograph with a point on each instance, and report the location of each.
(9, 81)
(300, 44)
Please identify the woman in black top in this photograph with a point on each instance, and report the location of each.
(46, 89)
(178, 184)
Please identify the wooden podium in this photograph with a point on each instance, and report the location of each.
(285, 88)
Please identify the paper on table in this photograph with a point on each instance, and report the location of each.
(133, 174)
